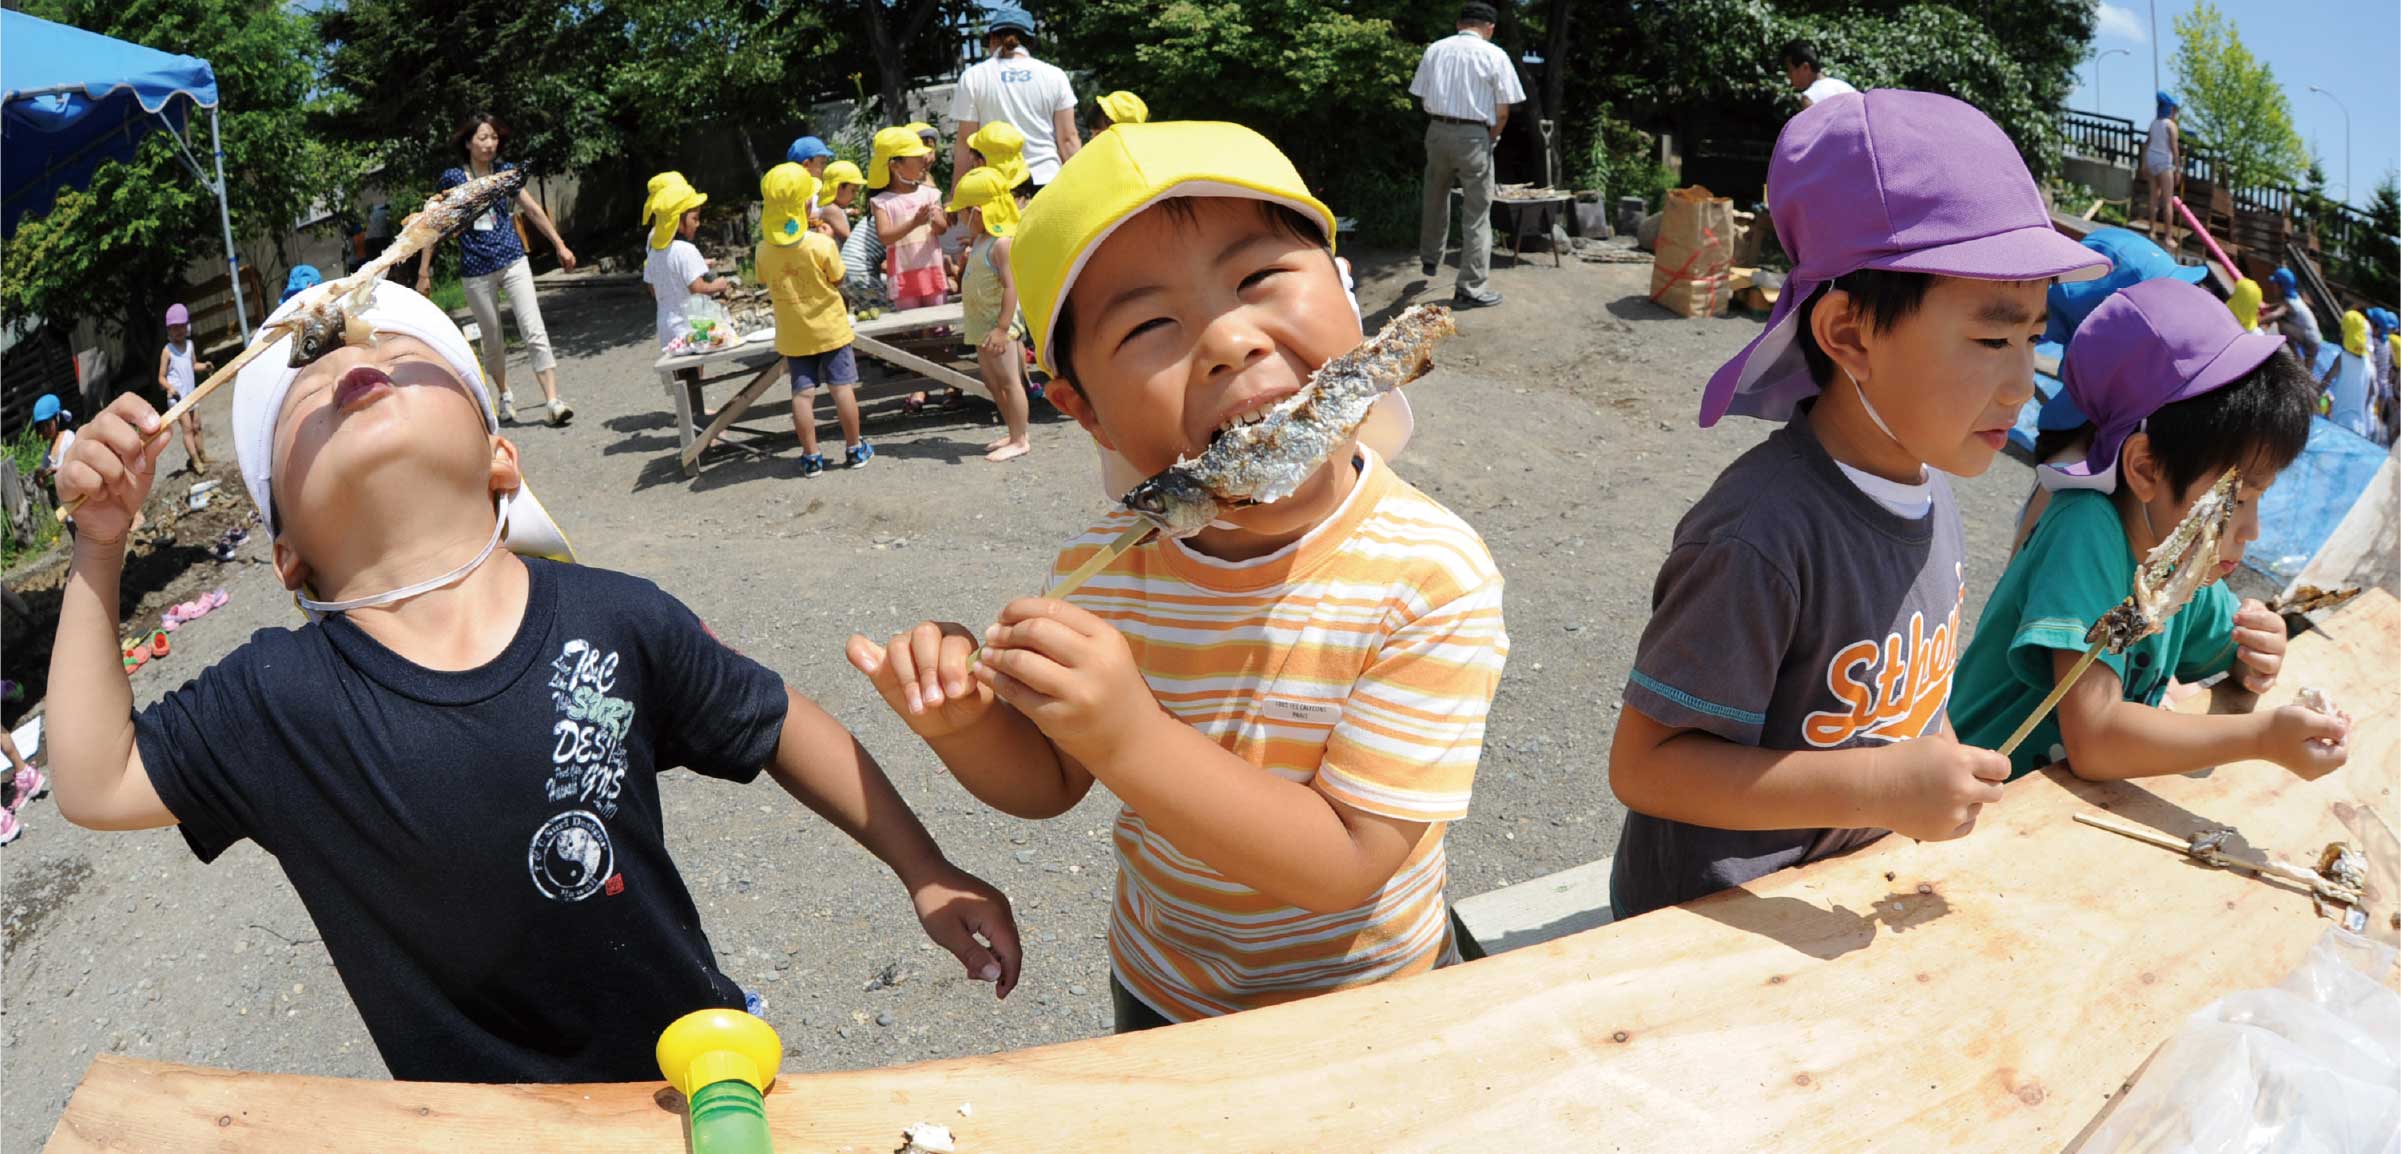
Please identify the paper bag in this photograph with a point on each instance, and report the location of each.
(1696, 250)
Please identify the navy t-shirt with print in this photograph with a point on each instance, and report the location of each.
(489, 242)
(482, 850)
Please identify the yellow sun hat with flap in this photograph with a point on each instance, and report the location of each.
(837, 174)
(891, 143)
(666, 208)
(986, 190)
(1003, 150)
(1124, 108)
(787, 188)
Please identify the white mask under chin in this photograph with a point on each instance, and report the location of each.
(500, 528)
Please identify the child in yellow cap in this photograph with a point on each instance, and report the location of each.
(1291, 702)
(1001, 148)
(908, 218)
(675, 272)
(837, 190)
(988, 300)
(1121, 107)
(2245, 302)
(803, 272)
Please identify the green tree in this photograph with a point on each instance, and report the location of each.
(2233, 105)
(2376, 267)
(118, 250)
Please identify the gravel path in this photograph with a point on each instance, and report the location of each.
(1559, 425)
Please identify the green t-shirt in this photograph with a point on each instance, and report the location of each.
(2075, 566)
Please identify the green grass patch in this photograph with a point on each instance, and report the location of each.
(25, 451)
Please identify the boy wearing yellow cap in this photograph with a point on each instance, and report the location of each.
(803, 272)
(457, 760)
(837, 190)
(1002, 148)
(1121, 107)
(1291, 702)
(675, 272)
(988, 300)
(908, 218)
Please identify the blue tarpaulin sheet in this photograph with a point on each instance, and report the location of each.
(2311, 497)
(74, 99)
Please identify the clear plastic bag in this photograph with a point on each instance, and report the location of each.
(707, 325)
(2311, 1066)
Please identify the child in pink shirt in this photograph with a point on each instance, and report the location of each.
(909, 218)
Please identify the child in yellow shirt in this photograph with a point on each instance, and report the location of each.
(802, 270)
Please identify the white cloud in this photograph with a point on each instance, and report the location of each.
(2119, 23)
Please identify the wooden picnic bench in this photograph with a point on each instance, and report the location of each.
(683, 376)
(1987, 994)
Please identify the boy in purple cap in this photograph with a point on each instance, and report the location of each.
(2176, 393)
(1787, 700)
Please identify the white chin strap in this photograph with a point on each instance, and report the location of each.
(1861, 391)
(500, 528)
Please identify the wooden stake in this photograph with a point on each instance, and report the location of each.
(2057, 691)
(175, 412)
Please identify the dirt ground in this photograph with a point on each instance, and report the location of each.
(1560, 425)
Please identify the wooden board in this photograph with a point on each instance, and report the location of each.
(1986, 994)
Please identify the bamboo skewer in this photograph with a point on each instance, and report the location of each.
(2205, 848)
(175, 412)
(2053, 698)
(1107, 556)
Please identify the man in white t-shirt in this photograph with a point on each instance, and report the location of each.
(1011, 86)
(1811, 81)
(1466, 84)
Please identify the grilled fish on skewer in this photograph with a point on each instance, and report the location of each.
(1265, 457)
(2168, 577)
(324, 325)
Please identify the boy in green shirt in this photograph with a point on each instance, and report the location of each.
(2175, 393)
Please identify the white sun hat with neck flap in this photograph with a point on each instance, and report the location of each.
(261, 387)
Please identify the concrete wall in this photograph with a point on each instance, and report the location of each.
(2106, 180)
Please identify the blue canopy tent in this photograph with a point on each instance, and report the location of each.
(71, 100)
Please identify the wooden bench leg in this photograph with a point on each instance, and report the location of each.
(869, 346)
(680, 390)
(732, 412)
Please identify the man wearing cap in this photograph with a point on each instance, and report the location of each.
(457, 760)
(1010, 85)
(1788, 694)
(1466, 84)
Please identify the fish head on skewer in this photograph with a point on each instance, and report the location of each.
(1175, 502)
(2174, 569)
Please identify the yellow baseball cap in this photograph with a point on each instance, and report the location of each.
(1003, 148)
(892, 142)
(984, 188)
(837, 174)
(787, 188)
(921, 128)
(668, 206)
(2355, 333)
(1124, 108)
(1124, 171)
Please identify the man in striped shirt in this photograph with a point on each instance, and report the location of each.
(1290, 702)
(1465, 84)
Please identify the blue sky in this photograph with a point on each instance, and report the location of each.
(2351, 48)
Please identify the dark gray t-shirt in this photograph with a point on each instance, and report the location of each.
(1793, 612)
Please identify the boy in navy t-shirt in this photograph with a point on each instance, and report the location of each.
(456, 761)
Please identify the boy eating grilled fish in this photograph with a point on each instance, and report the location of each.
(1291, 700)
(456, 761)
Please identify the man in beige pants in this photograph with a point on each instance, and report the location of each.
(1466, 84)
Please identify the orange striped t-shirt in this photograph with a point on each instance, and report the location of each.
(1360, 660)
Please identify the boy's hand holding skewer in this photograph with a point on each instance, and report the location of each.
(109, 470)
(1935, 787)
(2259, 640)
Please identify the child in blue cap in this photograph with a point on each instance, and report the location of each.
(2291, 316)
(2163, 154)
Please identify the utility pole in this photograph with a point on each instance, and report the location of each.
(2338, 103)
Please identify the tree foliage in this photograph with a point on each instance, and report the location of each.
(117, 251)
(2232, 103)
(1328, 83)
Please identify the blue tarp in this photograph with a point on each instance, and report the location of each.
(73, 99)
(2310, 498)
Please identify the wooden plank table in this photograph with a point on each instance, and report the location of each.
(683, 376)
(1987, 994)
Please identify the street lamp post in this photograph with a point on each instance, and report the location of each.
(2338, 103)
(2098, 57)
